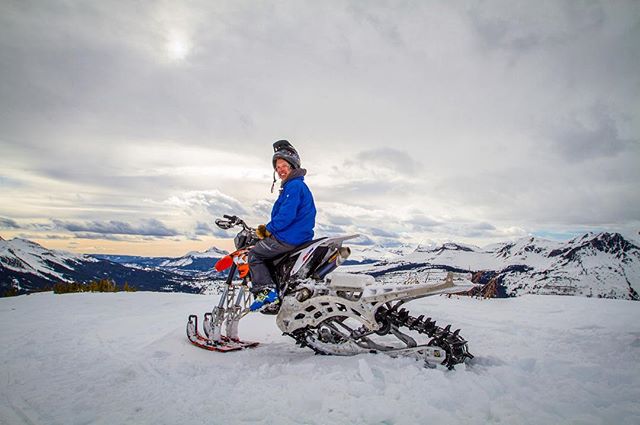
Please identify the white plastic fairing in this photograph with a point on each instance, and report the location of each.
(305, 254)
(349, 281)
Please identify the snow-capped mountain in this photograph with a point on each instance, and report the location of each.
(602, 265)
(27, 266)
(23, 255)
(192, 263)
(372, 254)
(598, 265)
(196, 261)
(133, 260)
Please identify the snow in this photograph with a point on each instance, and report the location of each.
(377, 253)
(124, 358)
(180, 262)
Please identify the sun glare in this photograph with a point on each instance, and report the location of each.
(178, 47)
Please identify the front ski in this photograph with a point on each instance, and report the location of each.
(224, 345)
(207, 326)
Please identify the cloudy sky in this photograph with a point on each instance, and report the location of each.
(127, 127)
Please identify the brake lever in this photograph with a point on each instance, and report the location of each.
(234, 219)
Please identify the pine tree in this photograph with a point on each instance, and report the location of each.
(10, 292)
(128, 288)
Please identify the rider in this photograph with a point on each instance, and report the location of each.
(292, 221)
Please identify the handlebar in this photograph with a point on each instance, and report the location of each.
(231, 221)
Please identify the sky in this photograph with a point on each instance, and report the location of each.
(128, 127)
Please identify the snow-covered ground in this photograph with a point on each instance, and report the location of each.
(124, 359)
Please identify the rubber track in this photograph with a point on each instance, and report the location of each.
(453, 344)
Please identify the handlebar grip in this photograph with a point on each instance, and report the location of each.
(224, 224)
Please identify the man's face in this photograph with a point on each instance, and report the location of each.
(282, 168)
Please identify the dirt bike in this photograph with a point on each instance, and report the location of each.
(331, 313)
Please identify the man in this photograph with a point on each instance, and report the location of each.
(292, 221)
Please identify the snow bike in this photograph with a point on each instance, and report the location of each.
(331, 313)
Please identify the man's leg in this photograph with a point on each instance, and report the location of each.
(264, 250)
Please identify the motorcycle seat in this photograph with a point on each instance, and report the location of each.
(281, 257)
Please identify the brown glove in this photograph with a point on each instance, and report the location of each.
(262, 232)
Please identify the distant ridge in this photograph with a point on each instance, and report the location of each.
(602, 265)
(26, 266)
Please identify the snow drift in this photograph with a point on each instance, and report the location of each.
(124, 358)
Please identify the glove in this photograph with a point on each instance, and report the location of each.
(262, 232)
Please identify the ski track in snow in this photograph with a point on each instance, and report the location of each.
(124, 359)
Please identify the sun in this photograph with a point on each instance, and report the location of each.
(177, 47)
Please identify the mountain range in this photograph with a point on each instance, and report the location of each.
(27, 267)
(602, 265)
(191, 262)
(594, 265)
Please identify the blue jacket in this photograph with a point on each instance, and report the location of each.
(293, 216)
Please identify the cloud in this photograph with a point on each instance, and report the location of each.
(363, 240)
(496, 125)
(593, 135)
(472, 230)
(559, 235)
(7, 223)
(214, 202)
(339, 219)
(32, 236)
(148, 227)
(483, 226)
(390, 243)
(203, 229)
(521, 29)
(387, 160)
(360, 189)
(104, 236)
(383, 175)
(221, 233)
(9, 182)
(323, 229)
(262, 209)
(383, 233)
(465, 230)
(421, 222)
